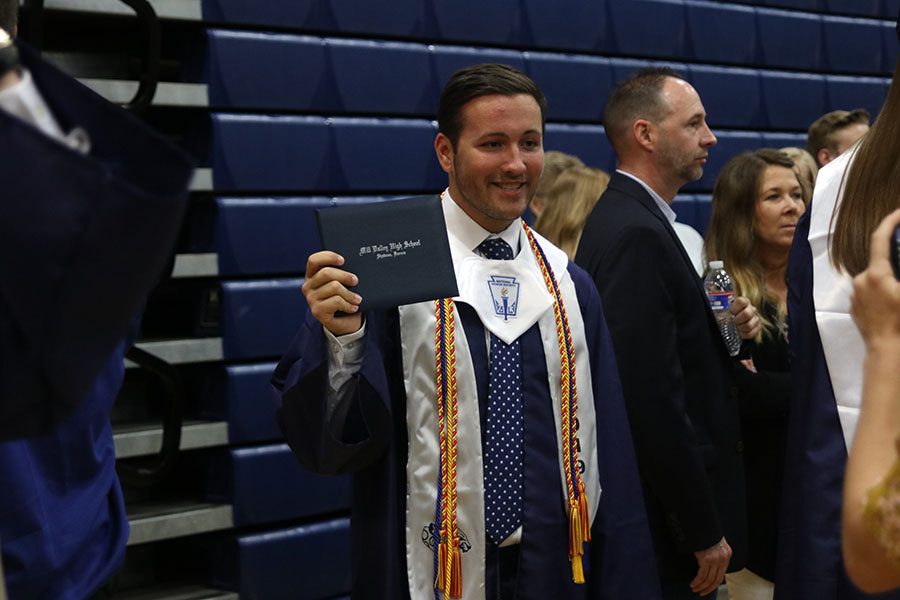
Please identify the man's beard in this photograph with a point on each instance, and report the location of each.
(685, 170)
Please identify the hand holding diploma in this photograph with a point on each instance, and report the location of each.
(326, 293)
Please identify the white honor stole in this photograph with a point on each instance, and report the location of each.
(841, 341)
(481, 283)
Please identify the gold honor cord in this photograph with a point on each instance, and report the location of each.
(448, 576)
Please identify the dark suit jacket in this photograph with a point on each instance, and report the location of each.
(676, 376)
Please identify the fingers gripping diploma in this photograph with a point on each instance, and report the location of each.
(746, 318)
(712, 565)
(326, 292)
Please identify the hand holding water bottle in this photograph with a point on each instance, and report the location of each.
(746, 318)
(737, 318)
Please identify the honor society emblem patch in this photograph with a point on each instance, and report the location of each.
(505, 294)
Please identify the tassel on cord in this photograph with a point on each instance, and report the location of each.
(455, 570)
(577, 570)
(449, 575)
(441, 582)
(576, 542)
(584, 513)
(575, 533)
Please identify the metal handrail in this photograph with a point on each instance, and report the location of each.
(148, 472)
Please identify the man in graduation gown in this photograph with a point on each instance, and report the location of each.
(361, 393)
(92, 202)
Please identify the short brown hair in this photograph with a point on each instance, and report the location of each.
(638, 97)
(482, 80)
(821, 132)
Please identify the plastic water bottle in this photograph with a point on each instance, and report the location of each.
(720, 293)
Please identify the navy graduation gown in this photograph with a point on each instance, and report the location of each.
(63, 526)
(83, 239)
(809, 559)
(372, 444)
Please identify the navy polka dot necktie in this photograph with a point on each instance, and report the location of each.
(503, 477)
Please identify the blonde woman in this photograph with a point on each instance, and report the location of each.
(569, 202)
(555, 163)
(805, 165)
(757, 202)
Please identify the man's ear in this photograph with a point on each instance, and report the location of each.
(443, 147)
(644, 134)
(824, 156)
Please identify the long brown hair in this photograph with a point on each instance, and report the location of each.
(731, 234)
(871, 188)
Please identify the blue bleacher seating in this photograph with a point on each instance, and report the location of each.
(298, 13)
(869, 8)
(852, 45)
(856, 92)
(260, 318)
(793, 100)
(721, 32)
(242, 396)
(790, 39)
(889, 9)
(587, 142)
(446, 60)
(234, 77)
(779, 140)
(576, 25)
(732, 96)
(730, 144)
(257, 152)
(309, 562)
(385, 154)
(807, 5)
(890, 48)
(632, 32)
(382, 77)
(496, 22)
(703, 211)
(406, 18)
(264, 484)
(623, 68)
(685, 209)
(331, 75)
(576, 87)
(290, 230)
(886, 9)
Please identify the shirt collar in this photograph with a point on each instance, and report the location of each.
(667, 211)
(470, 233)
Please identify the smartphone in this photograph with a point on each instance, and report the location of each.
(895, 252)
